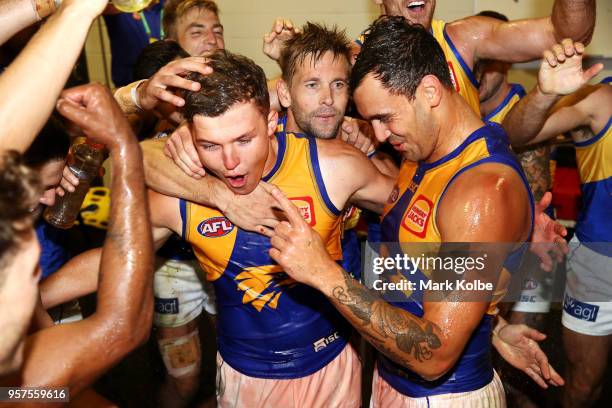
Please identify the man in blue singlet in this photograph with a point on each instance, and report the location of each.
(431, 351)
(563, 102)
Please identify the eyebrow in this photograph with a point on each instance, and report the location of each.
(380, 117)
(199, 25)
(317, 79)
(247, 134)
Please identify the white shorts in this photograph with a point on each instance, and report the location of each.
(491, 395)
(587, 303)
(181, 293)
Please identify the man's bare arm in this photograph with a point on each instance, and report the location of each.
(479, 38)
(16, 15)
(351, 178)
(31, 84)
(74, 355)
(80, 276)
(429, 345)
(545, 112)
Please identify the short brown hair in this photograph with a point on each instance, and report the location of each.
(175, 9)
(19, 192)
(235, 79)
(314, 41)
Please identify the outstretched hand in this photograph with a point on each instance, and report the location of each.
(155, 91)
(561, 71)
(518, 345)
(282, 30)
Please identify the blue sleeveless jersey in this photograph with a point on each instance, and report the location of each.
(351, 248)
(594, 159)
(270, 326)
(412, 218)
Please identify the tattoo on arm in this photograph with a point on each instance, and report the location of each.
(535, 162)
(412, 339)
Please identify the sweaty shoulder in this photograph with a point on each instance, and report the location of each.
(488, 203)
(467, 32)
(165, 212)
(343, 168)
(599, 104)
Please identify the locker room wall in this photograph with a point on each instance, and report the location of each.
(246, 21)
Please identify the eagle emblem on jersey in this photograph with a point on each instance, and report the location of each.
(417, 217)
(263, 285)
(394, 195)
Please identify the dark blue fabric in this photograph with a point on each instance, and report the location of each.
(128, 38)
(53, 252)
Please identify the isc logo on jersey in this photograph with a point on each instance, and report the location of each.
(215, 227)
(306, 207)
(417, 217)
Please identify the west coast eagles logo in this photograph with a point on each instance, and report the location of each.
(394, 195)
(417, 217)
(263, 285)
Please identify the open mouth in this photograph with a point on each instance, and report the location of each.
(416, 6)
(237, 181)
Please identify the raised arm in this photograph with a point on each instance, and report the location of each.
(19, 14)
(31, 84)
(557, 104)
(479, 38)
(74, 355)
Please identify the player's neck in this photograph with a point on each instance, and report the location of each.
(291, 125)
(487, 106)
(272, 155)
(456, 122)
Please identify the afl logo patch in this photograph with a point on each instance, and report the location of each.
(394, 195)
(215, 227)
(306, 207)
(417, 217)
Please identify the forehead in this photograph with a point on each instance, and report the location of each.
(328, 63)
(197, 15)
(373, 99)
(241, 119)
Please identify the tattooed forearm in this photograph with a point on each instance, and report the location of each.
(535, 162)
(401, 336)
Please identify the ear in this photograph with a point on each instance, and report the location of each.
(272, 122)
(431, 90)
(282, 89)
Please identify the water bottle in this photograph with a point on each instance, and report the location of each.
(131, 6)
(84, 162)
